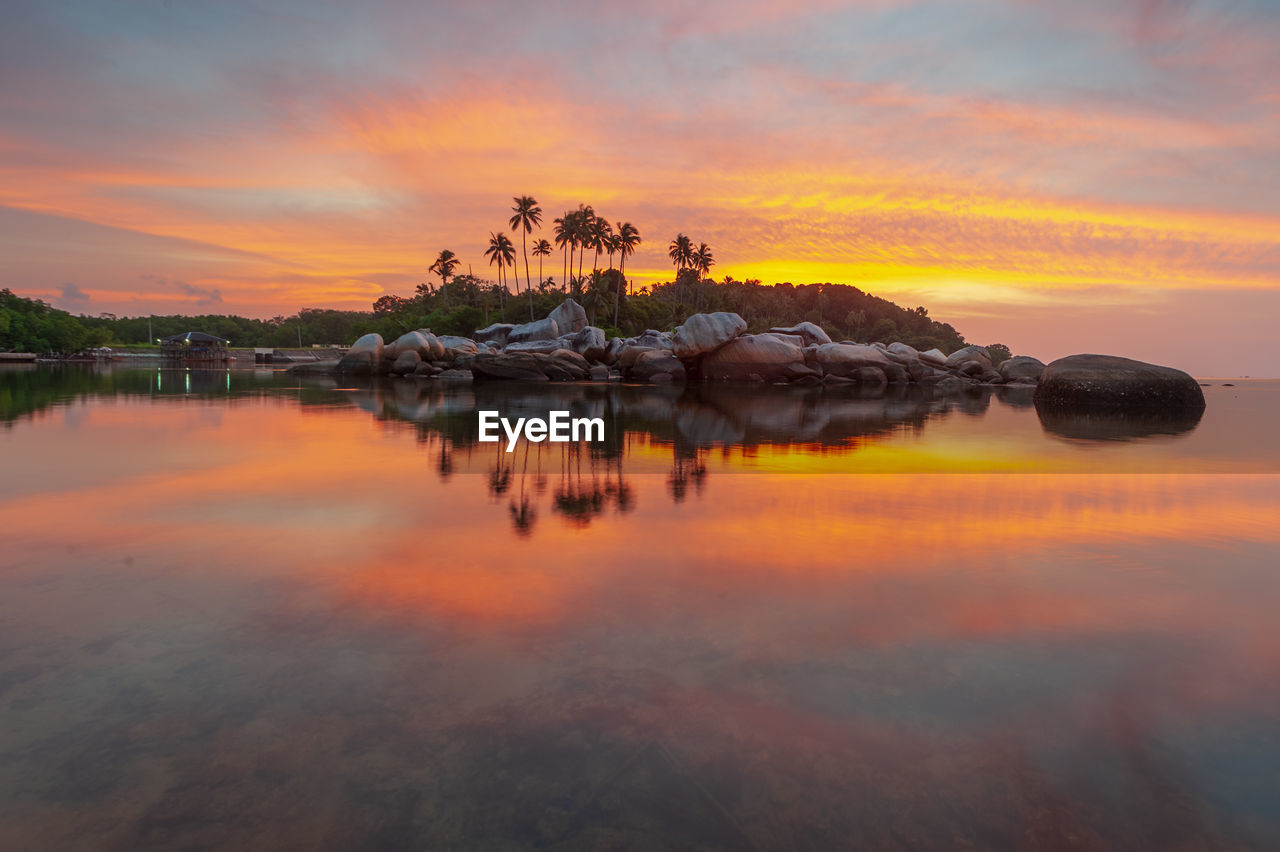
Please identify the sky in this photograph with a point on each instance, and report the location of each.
(1094, 176)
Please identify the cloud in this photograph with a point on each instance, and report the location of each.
(70, 294)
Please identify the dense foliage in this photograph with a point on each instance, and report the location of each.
(29, 325)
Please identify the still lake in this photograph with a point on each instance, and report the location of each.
(239, 608)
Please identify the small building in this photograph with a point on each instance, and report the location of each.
(195, 347)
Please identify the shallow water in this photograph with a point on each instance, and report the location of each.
(241, 609)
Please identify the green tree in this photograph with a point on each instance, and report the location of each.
(445, 263)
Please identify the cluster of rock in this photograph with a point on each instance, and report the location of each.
(715, 347)
(708, 347)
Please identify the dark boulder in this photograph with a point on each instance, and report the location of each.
(1108, 381)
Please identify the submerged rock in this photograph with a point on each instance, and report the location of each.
(1115, 382)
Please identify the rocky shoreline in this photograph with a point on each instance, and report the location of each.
(716, 347)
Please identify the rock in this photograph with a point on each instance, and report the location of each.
(435, 349)
(454, 347)
(656, 365)
(845, 359)
(611, 351)
(520, 366)
(971, 368)
(406, 363)
(599, 373)
(589, 342)
(870, 377)
(897, 348)
(543, 329)
(545, 346)
(703, 333)
(952, 384)
(569, 317)
(411, 341)
(454, 376)
(769, 357)
(1021, 367)
(1114, 382)
(364, 356)
(426, 368)
(968, 353)
(810, 333)
(565, 365)
(934, 358)
(497, 333)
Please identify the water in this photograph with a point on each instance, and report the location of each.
(240, 609)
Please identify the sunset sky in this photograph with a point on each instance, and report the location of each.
(1061, 177)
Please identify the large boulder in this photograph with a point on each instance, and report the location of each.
(565, 365)
(968, 353)
(569, 317)
(588, 342)
(435, 349)
(1109, 381)
(519, 366)
(810, 332)
(454, 347)
(1021, 367)
(934, 357)
(411, 341)
(756, 357)
(498, 333)
(364, 356)
(406, 362)
(543, 329)
(703, 333)
(547, 346)
(656, 365)
(845, 359)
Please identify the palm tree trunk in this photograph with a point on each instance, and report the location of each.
(617, 294)
(528, 284)
(564, 276)
(580, 255)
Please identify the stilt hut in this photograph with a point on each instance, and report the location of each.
(194, 347)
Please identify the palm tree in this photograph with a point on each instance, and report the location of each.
(628, 239)
(501, 252)
(583, 222)
(527, 214)
(599, 235)
(681, 252)
(445, 263)
(702, 259)
(541, 249)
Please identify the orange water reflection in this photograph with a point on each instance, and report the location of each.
(213, 609)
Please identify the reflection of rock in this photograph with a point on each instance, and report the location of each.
(1114, 382)
(1017, 394)
(1109, 424)
(1021, 367)
(952, 385)
(703, 333)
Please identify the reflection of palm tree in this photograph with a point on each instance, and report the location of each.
(523, 516)
(527, 215)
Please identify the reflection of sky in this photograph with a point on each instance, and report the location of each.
(1043, 174)
(292, 606)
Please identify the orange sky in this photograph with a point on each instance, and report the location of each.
(1057, 179)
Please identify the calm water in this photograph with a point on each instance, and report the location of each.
(237, 609)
